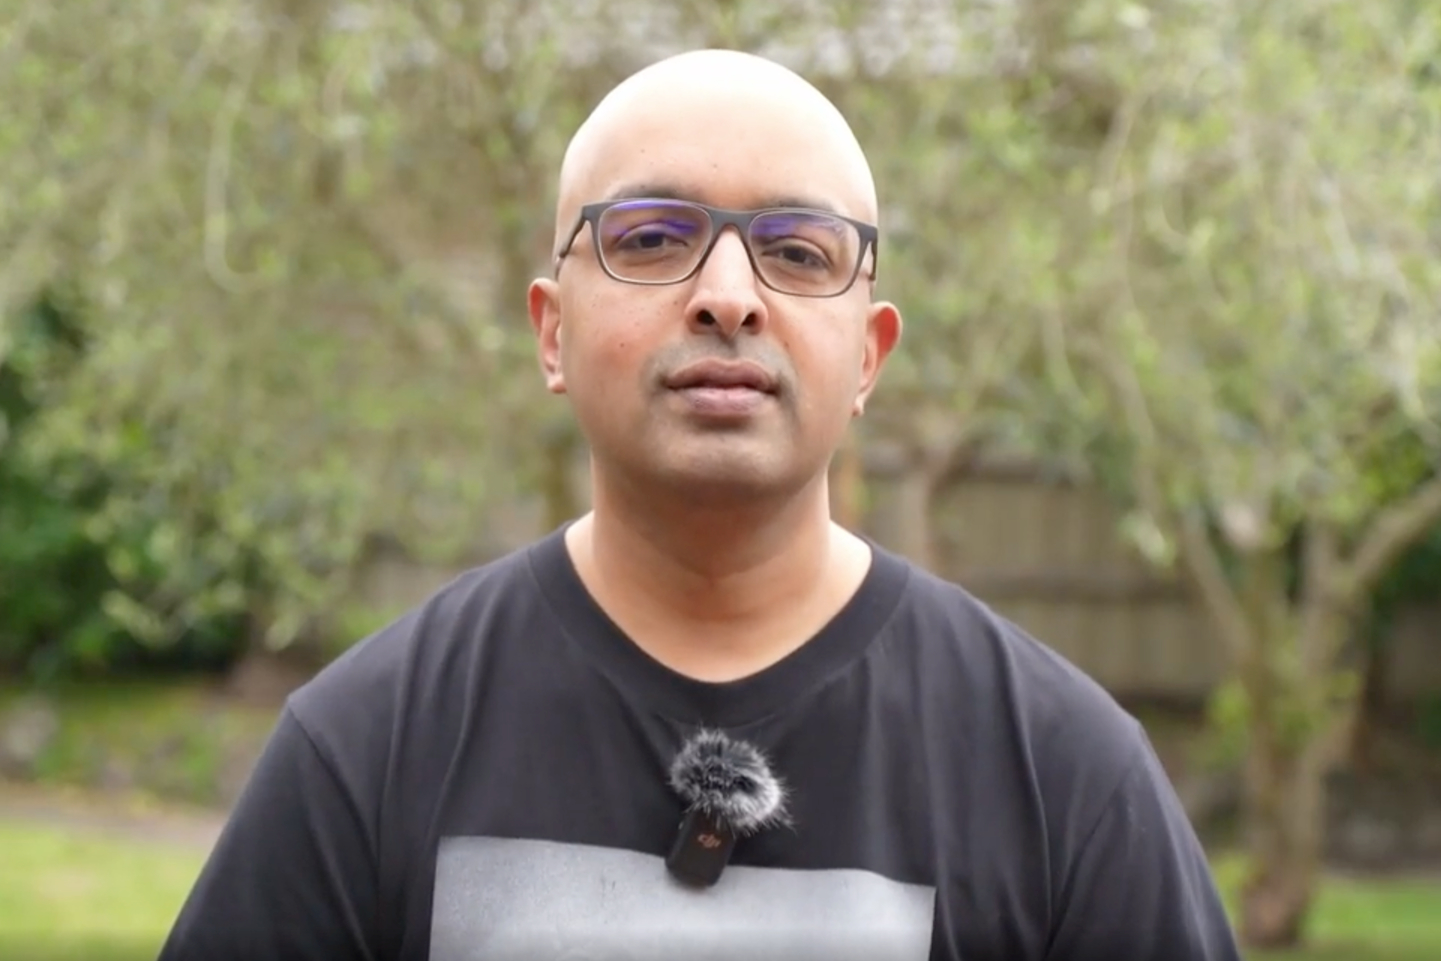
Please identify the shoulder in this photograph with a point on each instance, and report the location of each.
(356, 697)
(1069, 736)
(947, 624)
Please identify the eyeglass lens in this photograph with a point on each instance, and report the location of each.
(795, 251)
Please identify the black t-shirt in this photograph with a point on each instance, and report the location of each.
(486, 780)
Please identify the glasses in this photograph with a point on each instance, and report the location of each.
(793, 250)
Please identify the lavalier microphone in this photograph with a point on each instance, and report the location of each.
(730, 793)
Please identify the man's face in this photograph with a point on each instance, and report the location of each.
(650, 370)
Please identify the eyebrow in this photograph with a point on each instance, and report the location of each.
(666, 191)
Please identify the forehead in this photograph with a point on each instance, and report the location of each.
(731, 150)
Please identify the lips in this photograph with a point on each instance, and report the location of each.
(722, 375)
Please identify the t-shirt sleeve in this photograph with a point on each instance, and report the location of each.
(292, 874)
(1140, 886)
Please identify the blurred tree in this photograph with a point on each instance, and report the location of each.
(55, 573)
(1252, 325)
(1190, 244)
(969, 237)
(1414, 579)
(306, 228)
(52, 576)
(307, 225)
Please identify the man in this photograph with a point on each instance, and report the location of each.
(495, 775)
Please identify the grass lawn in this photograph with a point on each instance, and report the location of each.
(171, 738)
(1363, 920)
(68, 896)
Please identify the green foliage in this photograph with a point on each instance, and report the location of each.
(1186, 245)
(1228, 716)
(59, 574)
(52, 581)
(1415, 577)
(52, 576)
(1255, 298)
(306, 237)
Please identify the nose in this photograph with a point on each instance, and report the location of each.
(725, 298)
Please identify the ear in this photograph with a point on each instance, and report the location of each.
(543, 301)
(883, 332)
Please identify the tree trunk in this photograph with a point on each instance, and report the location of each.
(264, 676)
(1376, 666)
(558, 478)
(848, 486)
(1284, 825)
(1286, 673)
(914, 536)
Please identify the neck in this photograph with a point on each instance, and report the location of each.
(717, 594)
(711, 565)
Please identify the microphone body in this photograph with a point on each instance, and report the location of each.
(701, 850)
(730, 793)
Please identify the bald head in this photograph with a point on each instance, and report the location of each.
(658, 294)
(722, 122)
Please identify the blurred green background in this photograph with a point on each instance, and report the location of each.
(1169, 394)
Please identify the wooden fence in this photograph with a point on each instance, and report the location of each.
(1048, 556)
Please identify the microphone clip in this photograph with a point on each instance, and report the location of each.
(730, 793)
(702, 849)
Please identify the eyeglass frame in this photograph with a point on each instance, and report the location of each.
(720, 218)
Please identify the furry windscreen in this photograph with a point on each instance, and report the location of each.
(730, 781)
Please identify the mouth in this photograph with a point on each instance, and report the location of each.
(727, 376)
(727, 391)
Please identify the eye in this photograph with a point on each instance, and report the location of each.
(796, 255)
(802, 242)
(651, 236)
(650, 232)
(799, 254)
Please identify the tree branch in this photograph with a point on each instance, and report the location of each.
(1203, 563)
(1198, 552)
(1395, 529)
(1321, 551)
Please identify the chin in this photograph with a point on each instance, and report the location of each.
(712, 464)
(707, 469)
(725, 475)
